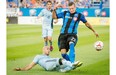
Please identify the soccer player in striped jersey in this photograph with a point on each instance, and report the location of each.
(68, 34)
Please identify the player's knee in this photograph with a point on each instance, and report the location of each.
(45, 39)
(71, 42)
(63, 51)
(49, 38)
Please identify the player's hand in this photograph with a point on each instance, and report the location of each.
(56, 20)
(17, 69)
(57, 6)
(96, 34)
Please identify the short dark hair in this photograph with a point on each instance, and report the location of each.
(71, 3)
(49, 2)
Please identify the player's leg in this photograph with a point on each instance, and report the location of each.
(63, 47)
(44, 35)
(45, 41)
(64, 54)
(72, 40)
(51, 64)
(50, 32)
(50, 42)
(29, 66)
(57, 64)
(68, 66)
(77, 64)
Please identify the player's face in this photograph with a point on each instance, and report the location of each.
(72, 9)
(49, 5)
(47, 50)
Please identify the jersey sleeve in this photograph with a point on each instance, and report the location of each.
(83, 18)
(36, 59)
(60, 15)
(41, 13)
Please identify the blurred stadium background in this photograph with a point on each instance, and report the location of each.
(20, 10)
(24, 38)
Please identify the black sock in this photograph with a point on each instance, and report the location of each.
(50, 42)
(60, 61)
(45, 43)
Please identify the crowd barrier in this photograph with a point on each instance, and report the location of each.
(29, 16)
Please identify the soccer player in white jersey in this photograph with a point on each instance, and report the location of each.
(47, 24)
(50, 64)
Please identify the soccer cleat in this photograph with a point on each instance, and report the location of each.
(77, 64)
(51, 48)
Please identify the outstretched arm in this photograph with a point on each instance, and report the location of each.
(28, 67)
(41, 14)
(54, 16)
(90, 27)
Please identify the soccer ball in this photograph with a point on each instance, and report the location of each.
(98, 45)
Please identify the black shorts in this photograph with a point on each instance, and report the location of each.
(64, 39)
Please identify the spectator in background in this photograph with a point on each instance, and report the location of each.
(38, 4)
(79, 4)
(87, 3)
(101, 4)
(65, 3)
(11, 4)
(53, 3)
(24, 4)
(58, 4)
(33, 1)
(44, 2)
(72, 0)
(76, 2)
(16, 2)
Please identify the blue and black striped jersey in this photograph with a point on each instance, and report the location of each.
(70, 22)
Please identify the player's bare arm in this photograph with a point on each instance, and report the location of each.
(54, 14)
(28, 67)
(91, 28)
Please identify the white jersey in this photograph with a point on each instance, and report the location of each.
(50, 64)
(46, 62)
(47, 18)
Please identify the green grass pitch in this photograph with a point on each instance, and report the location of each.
(25, 41)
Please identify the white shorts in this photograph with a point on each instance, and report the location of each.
(51, 64)
(47, 31)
